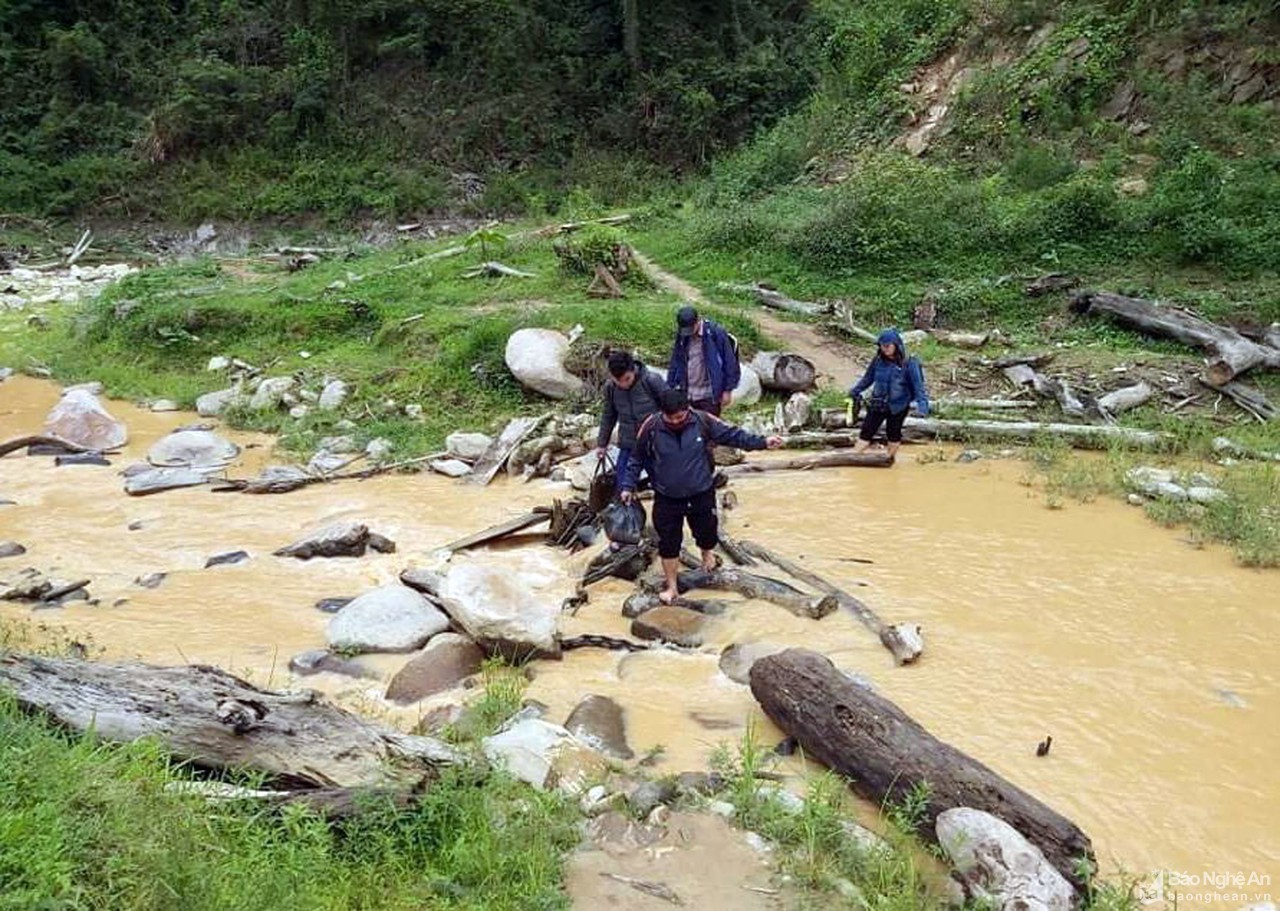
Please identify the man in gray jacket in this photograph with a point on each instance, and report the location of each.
(630, 396)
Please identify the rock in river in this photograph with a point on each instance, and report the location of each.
(544, 755)
(161, 479)
(495, 609)
(470, 446)
(998, 865)
(81, 419)
(228, 559)
(341, 539)
(11, 549)
(388, 619)
(192, 449)
(598, 722)
(736, 659)
(676, 625)
(446, 661)
(319, 660)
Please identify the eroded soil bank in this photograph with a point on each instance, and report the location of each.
(1149, 662)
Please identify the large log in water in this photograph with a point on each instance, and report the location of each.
(215, 720)
(886, 754)
(903, 640)
(750, 585)
(1230, 353)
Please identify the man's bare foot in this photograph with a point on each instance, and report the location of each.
(668, 595)
(709, 562)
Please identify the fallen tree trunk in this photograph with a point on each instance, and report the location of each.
(762, 588)
(776, 300)
(501, 530)
(40, 440)
(1125, 399)
(969, 340)
(334, 804)
(288, 485)
(1230, 353)
(982, 404)
(902, 640)
(806, 463)
(886, 754)
(1086, 436)
(493, 269)
(1023, 375)
(1248, 398)
(214, 720)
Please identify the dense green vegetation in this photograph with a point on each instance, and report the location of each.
(287, 107)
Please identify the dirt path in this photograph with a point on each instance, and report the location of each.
(838, 363)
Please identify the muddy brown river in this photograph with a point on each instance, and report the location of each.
(1151, 663)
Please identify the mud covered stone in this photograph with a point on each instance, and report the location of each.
(675, 625)
(444, 663)
(599, 722)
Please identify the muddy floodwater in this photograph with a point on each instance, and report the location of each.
(1151, 663)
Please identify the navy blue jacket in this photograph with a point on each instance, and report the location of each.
(894, 385)
(677, 457)
(717, 353)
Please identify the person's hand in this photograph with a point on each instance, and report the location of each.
(601, 452)
(626, 496)
(773, 442)
(725, 398)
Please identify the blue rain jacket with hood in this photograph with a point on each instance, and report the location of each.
(894, 384)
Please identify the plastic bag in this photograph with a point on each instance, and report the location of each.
(623, 522)
(604, 484)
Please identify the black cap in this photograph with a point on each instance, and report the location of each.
(686, 319)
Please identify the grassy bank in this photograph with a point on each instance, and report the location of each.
(90, 825)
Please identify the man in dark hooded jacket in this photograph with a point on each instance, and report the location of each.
(895, 381)
(629, 397)
(672, 445)
(704, 362)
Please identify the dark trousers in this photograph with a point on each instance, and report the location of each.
(710, 406)
(670, 513)
(877, 416)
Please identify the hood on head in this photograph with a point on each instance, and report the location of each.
(892, 335)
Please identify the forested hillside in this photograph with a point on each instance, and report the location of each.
(351, 105)
(881, 131)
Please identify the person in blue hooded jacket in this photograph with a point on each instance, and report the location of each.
(895, 380)
(704, 362)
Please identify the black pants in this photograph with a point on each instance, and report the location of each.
(877, 416)
(670, 513)
(710, 406)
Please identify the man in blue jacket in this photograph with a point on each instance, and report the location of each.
(895, 381)
(672, 445)
(704, 362)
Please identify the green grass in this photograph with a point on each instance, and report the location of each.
(1246, 519)
(398, 328)
(90, 825)
(836, 871)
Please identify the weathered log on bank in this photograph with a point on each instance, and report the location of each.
(886, 754)
(903, 640)
(848, 459)
(217, 721)
(1230, 353)
(1085, 436)
(776, 300)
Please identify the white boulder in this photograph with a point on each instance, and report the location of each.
(333, 395)
(270, 393)
(536, 358)
(748, 390)
(81, 419)
(493, 607)
(469, 446)
(388, 619)
(998, 866)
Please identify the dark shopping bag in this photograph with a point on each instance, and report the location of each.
(604, 484)
(623, 522)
